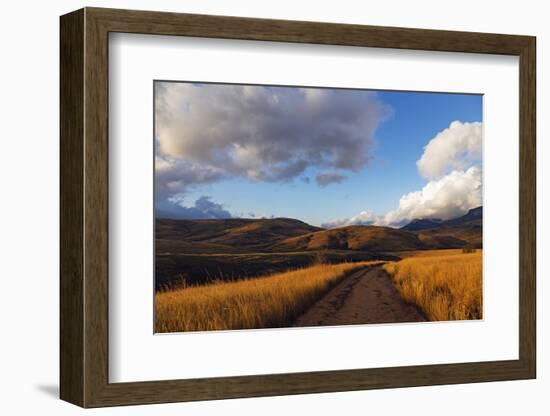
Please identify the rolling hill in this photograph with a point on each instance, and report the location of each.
(198, 251)
(354, 237)
(226, 235)
(238, 235)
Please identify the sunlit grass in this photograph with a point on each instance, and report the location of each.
(446, 285)
(430, 253)
(267, 302)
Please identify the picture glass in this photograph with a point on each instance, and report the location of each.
(286, 206)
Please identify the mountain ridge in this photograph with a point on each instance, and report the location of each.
(234, 235)
(467, 228)
(418, 224)
(199, 250)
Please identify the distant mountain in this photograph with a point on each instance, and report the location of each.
(457, 232)
(237, 235)
(422, 224)
(475, 215)
(200, 250)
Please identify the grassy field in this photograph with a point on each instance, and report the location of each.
(267, 302)
(191, 252)
(177, 270)
(430, 253)
(445, 284)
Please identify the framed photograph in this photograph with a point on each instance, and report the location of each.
(255, 207)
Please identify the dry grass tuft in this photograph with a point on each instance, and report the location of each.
(446, 286)
(267, 302)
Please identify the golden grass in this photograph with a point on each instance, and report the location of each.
(445, 284)
(266, 302)
(429, 253)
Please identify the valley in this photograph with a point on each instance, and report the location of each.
(195, 252)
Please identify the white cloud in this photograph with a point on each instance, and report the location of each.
(455, 148)
(363, 218)
(445, 198)
(451, 162)
(449, 197)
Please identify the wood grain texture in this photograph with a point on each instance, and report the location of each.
(72, 215)
(96, 218)
(225, 27)
(84, 207)
(527, 208)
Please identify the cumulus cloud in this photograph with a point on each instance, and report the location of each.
(364, 218)
(203, 208)
(454, 148)
(326, 178)
(173, 177)
(207, 132)
(451, 162)
(449, 197)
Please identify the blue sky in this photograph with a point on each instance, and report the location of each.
(393, 130)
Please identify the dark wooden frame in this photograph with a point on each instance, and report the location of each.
(84, 208)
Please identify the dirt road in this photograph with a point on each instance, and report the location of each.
(365, 297)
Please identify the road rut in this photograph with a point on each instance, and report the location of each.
(367, 296)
